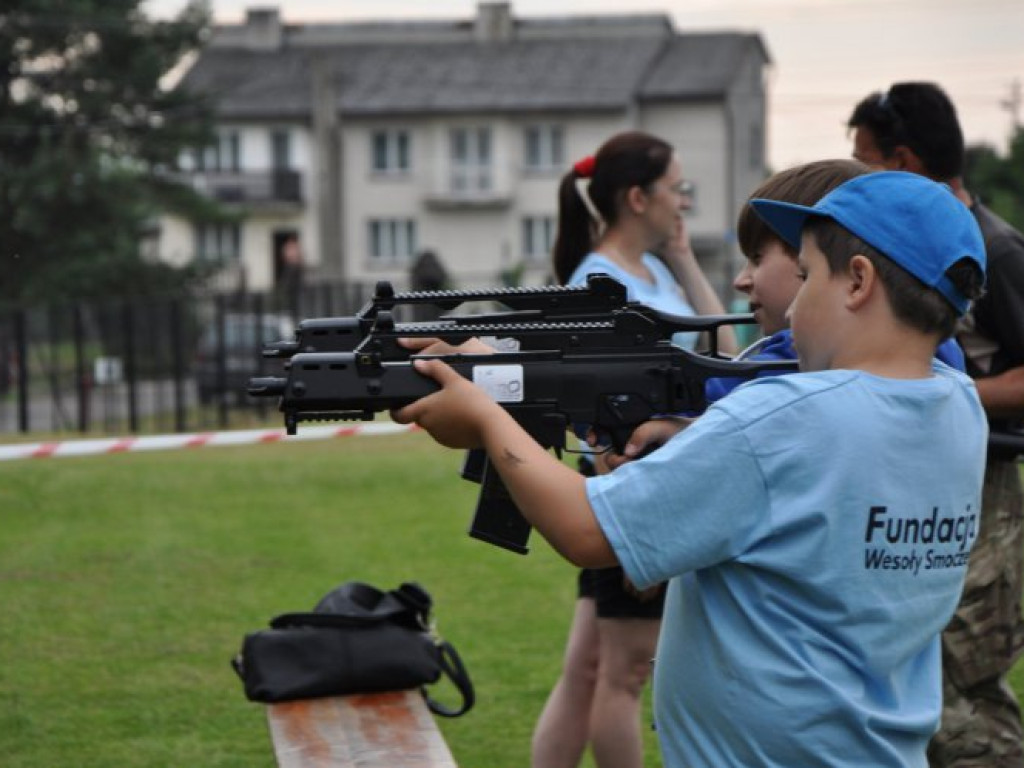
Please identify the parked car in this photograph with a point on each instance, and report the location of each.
(226, 375)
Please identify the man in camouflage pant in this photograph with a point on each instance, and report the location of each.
(980, 715)
(914, 127)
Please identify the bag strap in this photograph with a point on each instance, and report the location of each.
(414, 597)
(336, 620)
(357, 604)
(452, 666)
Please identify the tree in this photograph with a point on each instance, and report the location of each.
(997, 180)
(88, 140)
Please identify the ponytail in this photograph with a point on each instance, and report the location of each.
(576, 229)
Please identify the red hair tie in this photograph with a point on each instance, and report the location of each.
(585, 168)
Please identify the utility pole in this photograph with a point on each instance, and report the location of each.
(1013, 105)
(326, 136)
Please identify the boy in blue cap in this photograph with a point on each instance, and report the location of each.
(814, 527)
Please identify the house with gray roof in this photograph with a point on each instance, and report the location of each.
(375, 142)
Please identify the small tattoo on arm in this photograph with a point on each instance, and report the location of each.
(511, 458)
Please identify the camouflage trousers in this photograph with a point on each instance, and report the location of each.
(981, 723)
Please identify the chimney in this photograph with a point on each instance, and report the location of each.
(494, 23)
(263, 29)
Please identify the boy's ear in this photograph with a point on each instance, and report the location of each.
(863, 281)
(905, 159)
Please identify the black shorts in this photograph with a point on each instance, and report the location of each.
(607, 588)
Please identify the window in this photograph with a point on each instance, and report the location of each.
(538, 238)
(280, 150)
(470, 154)
(223, 155)
(218, 243)
(390, 151)
(544, 148)
(392, 241)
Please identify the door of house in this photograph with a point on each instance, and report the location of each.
(288, 267)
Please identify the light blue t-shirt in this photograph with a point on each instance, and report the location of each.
(664, 294)
(815, 528)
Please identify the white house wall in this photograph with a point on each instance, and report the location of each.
(177, 236)
(473, 242)
(256, 145)
(177, 241)
(258, 246)
(698, 131)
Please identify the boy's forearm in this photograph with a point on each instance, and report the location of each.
(1003, 395)
(551, 495)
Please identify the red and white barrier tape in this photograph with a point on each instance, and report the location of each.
(195, 440)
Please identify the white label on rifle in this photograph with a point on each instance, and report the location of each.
(504, 383)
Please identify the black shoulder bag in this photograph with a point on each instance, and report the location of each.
(358, 639)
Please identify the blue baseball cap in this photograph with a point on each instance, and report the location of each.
(916, 222)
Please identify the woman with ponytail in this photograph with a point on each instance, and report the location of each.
(616, 210)
(620, 207)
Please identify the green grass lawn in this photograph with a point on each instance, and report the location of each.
(128, 581)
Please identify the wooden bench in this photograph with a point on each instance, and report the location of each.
(379, 730)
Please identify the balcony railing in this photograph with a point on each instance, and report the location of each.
(283, 186)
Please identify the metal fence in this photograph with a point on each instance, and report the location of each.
(149, 366)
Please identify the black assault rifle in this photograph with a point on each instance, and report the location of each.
(591, 365)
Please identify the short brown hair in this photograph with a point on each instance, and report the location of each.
(912, 302)
(803, 185)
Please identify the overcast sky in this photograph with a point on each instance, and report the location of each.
(826, 54)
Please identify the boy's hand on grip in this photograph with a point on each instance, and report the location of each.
(648, 437)
(454, 416)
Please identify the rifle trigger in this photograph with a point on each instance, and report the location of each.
(368, 360)
(612, 404)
